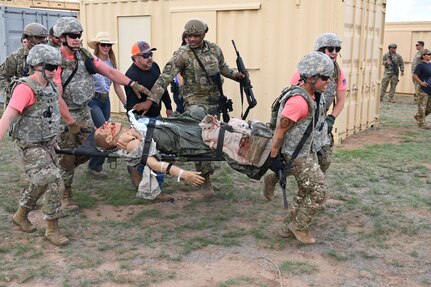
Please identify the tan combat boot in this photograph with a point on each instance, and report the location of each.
(302, 235)
(135, 176)
(207, 188)
(270, 181)
(163, 197)
(53, 233)
(68, 203)
(20, 218)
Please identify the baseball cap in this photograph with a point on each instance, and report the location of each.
(141, 47)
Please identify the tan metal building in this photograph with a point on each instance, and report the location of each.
(405, 35)
(271, 35)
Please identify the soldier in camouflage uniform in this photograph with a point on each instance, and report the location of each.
(422, 76)
(393, 63)
(76, 89)
(15, 65)
(53, 40)
(416, 60)
(200, 88)
(302, 106)
(35, 106)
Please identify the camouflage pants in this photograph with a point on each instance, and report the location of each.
(41, 166)
(424, 106)
(68, 163)
(393, 80)
(312, 191)
(205, 167)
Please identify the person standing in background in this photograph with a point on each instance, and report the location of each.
(100, 105)
(394, 64)
(420, 45)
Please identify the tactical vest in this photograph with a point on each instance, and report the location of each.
(20, 68)
(80, 89)
(294, 134)
(331, 89)
(41, 121)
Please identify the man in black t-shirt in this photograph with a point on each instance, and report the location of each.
(145, 72)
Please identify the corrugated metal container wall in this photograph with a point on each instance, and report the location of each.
(271, 35)
(13, 21)
(405, 35)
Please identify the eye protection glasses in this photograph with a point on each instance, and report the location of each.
(324, 78)
(146, 55)
(331, 49)
(50, 67)
(74, 36)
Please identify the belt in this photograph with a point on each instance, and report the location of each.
(103, 96)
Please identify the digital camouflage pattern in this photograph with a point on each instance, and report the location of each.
(80, 90)
(66, 25)
(424, 106)
(315, 63)
(313, 191)
(416, 60)
(43, 54)
(327, 40)
(14, 67)
(39, 122)
(41, 166)
(197, 89)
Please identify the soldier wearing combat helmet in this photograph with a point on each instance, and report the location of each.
(394, 65)
(302, 107)
(15, 64)
(76, 88)
(201, 64)
(35, 110)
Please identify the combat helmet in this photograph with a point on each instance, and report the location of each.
(65, 25)
(393, 45)
(43, 54)
(195, 26)
(315, 63)
(36, 30)
(327, 40)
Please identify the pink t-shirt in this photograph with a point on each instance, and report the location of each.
(342, 83)
(57, 77)
(295, 109)
(22, 97)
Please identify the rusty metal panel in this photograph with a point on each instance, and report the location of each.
(272, 36)
(405, 35)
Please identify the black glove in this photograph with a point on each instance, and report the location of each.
(276, 163)
(330, 119)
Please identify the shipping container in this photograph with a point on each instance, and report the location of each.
(271, 35)
(405, 35)
(13, 21)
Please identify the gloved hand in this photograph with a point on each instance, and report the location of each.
(330, 119)
(74, 128)
(276, 163)
(138, 89)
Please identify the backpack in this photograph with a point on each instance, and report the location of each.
(275, 107)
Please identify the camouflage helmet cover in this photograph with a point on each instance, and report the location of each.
(35, 29)
(66, 25)
(393, 45)
(195, 26)
(327, 40)
(43, 54)
(316, 63)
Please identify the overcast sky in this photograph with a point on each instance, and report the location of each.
(408, 10)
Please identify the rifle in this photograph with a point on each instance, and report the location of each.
(245, 84)
(282, 175)
(225, 105)
(394, 66)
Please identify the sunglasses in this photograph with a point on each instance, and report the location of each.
(324, 78)
(429, 54)
(146, 55)
(50, 67)
(74, 36)
(331, 49)
(104, 45)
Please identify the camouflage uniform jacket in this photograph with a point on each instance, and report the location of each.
(295, 133)
(80, 89)
(14, 66)
(416, 60)
(393, 66)
(331, 89)
(197, 88)
(39, 122)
